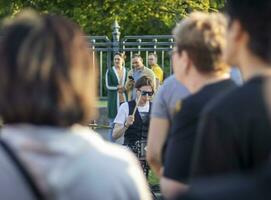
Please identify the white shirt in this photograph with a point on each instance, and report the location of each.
(124, 112)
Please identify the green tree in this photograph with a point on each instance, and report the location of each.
(136, 17)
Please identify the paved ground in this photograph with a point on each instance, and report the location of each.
(104, 133)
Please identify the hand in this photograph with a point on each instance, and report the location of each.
(129, 121)
(131, 82)
(121, 89)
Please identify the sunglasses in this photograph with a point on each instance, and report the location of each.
(145, 93)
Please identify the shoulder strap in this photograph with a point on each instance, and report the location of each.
(131, 105)
(22, 169)
(150, 107)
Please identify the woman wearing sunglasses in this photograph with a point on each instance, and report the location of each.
(132, 119)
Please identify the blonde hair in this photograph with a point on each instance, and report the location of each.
(202, 35)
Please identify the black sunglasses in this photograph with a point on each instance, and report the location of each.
(145, 93)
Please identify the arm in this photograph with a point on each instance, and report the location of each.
(179, 151)
(129, 83)
(119, 129)
(158, 132)
(171, 188)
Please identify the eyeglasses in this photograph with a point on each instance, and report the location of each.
(145, 93)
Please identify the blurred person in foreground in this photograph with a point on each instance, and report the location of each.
(240, 132)
(48, 88)
(235, 133)
(161, 119)
(198, 64)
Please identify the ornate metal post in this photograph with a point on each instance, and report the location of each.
(116, 36)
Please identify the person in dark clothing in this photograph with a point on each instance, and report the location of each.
(133, 117)
(235, 133)
(198, 65)
(233, 187)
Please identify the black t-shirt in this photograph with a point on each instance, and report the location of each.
(254, 186)
(234, 133)
(181, 140)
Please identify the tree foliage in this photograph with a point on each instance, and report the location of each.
(136, 17)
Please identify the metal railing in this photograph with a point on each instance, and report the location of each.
(105, 49)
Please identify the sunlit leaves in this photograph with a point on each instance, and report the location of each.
(134, 16)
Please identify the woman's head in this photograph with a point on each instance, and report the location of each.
(47, 72)
(144, 88)
(200, 39)
(119, 59)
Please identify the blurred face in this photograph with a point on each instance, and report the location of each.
(118, 61)
(230, 53)
(179, 62)
(146, 94)
(152, 60)
(137, 63)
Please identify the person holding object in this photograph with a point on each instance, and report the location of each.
(132, 119)
(137, 72)
(48, 89)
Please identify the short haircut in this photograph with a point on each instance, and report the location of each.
(47, 72)
(202, 36)
(254, 17)
(144, 81)
(153, 54)
(137, 56)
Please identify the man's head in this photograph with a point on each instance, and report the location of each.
(137, 61)
(144, 87)
(249, 30)
(152, 59)
(47, 75)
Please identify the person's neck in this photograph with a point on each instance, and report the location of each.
(119, 67)
(253, 66)
(139, 68)
(142, 104)
(200, 81)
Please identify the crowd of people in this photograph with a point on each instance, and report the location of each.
(206, 134)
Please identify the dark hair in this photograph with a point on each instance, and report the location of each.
(254, 17)
(144, 81)
(121, 54)
(136, 55)
(47, 72)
